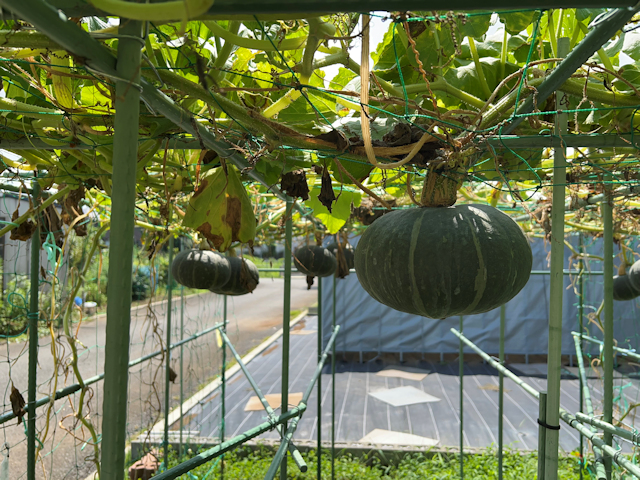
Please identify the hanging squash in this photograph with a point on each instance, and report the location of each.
(200, 269)
(244, 278)
(441, 260)
(314, 261)
(623, 289)
(634, 275)
(345, 258)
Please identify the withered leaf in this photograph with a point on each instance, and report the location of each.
(309, 282)
(295, 185)
(172, 375)
(17, 403)
(336, 137)
(24, 231)
(326, 196)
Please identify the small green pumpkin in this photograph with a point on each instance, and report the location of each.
(347, 250)
(200, 269)
(634, 275)
(623, 289)
(244, 278)
(315, 261)
(440, 262)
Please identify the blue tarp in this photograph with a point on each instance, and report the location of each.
(369, 326)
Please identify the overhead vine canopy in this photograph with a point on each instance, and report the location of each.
(290, 105)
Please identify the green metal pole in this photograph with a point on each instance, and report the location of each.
(167, 358)
(607, 354)
(181, 365)
(333, 388)
(542, 432)
(33, 340)
(461, 375)
(580, 327)
(286, 320)
(503, 309)
(319, 389)
(556, 287)
(223, 404)
(125, 148)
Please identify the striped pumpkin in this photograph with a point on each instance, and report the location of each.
(440, 262)
(200, 269)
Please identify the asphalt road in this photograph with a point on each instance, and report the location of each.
(252, 318)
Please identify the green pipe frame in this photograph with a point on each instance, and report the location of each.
(564, 415)
(319, 387)
(295, 453)
(461, 375)
(230, 444)
(501, 394)
(624, 351)
(223, 377)
(607, 353)
(586, 395)
(287, 9)
(556, 291)
(286, 440)
(116, 368)
(286, 318)
(167, 365)
(333, 389)
(34, 315)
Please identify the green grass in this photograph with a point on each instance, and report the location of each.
(248, 465)
(267, 263)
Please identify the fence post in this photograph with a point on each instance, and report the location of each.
(167, 358)
(286, 320)
(125, 157)
(461, 375)
(34, 314)
(607, 353)
(333, 388)
(319, 388)
(223, 384)
(542, 433)
(503, 309)
(556, 287)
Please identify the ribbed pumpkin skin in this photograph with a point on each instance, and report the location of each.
(349, 255)
(634, 275)
(315, 261)
(200, 269)
(243, 279)
(442, 262)
(623, 289)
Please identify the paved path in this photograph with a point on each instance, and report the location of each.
(252, 318)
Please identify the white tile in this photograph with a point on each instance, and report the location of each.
(401, 396)
(387, 437)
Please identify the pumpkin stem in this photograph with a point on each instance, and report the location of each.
(440, 188)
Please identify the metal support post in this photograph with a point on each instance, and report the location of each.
(607, 353)
(580, 327)
(319, 388)
(501, 394)
(286, 320)
(125, 149)
(223, 383)
(34, 314)
(556, 288)
(181, 374)
(167, 359)
(461, 375)
(333, 387)
(542, 432)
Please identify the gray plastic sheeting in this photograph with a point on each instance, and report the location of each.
(368, 326)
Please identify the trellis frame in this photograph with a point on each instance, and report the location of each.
(46, 19)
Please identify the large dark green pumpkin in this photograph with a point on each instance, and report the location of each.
(244, 278)
(623, 289)
(634, 275)
(200, 269)
(315, 261)
(443, 261)
(349, 254)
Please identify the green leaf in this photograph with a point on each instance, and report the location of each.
(221, 210)
(632, 46)
(341, 210)
(475, 25)
(583, 14)
(518, 21)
